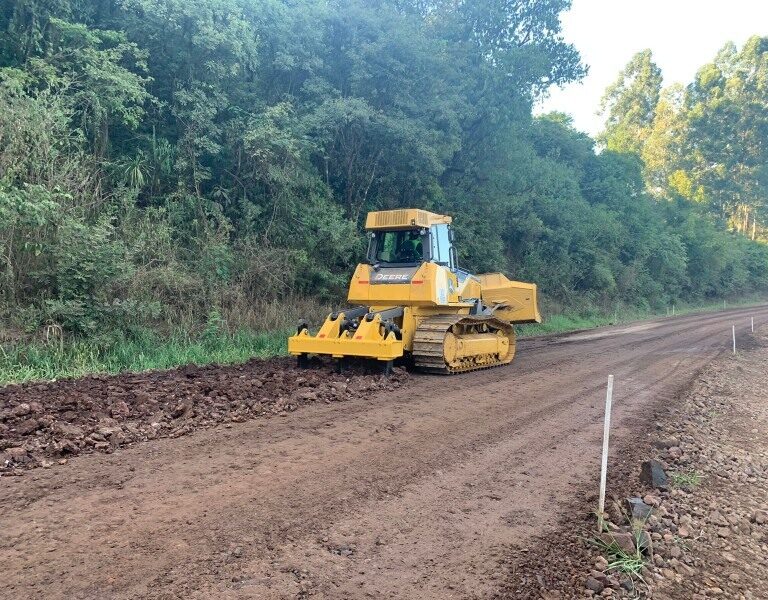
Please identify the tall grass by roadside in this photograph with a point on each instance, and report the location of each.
(260, 330)
(144, 349)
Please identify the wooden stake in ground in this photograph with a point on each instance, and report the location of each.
(734, 339)
(604, 466)
(753, 324)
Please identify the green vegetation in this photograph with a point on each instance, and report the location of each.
(705, 143)
(162, 161)
(687, 480)
(622, 561)
(37, 361)
(145, 350)
(57, 356)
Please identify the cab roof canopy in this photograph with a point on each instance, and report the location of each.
(407, 218)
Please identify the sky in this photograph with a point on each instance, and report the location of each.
(683, 35)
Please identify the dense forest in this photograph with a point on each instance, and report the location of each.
(162, 161)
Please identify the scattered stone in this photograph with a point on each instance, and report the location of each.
(675, 452)
(666, 443)
(307, 394)
(120, 409)
(716, 518)
(615, 512)
(652, 474)
(594, 585)
(182, 409)
(70, 432)
(29, 426)
(652, 500)
(638, 509)
(623, 540)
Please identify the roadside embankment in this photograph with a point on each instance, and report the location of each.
(687, 514)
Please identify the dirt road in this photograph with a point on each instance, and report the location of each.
(409, 493)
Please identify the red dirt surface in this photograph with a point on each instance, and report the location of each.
(42, 422)
(415, 489)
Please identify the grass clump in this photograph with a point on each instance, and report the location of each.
(621, 561)
(686, 480)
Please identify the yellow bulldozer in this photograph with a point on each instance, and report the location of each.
(414, 302)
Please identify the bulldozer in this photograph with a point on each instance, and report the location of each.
(411, 301)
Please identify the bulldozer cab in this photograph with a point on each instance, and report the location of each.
(398, 247)
(411, 247)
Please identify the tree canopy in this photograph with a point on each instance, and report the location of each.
(163, 158)
(707, 142)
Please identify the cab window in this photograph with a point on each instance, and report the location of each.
(441, 245)
(398, 247)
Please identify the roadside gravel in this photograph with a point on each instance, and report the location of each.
(702, 533)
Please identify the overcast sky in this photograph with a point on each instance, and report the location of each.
(683, 35)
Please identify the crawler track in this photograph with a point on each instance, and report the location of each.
(429, 344)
